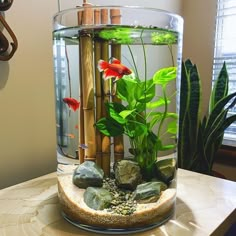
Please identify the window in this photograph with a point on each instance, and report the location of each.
(225, 50)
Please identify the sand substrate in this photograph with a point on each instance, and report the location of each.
(73, 205)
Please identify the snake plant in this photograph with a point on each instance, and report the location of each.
(201, 136)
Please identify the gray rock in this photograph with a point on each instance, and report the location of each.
(163, 186)
(127, 174)
(97, 198)
(88, 174)
(166, 169)
(147, 192)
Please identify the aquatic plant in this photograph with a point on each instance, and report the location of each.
(144, 115)
(119, 35)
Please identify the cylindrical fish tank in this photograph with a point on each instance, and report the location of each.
(117, 71)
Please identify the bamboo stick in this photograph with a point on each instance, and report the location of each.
(116, 52)
(106, 143)
(81, 112)
(86, 48)
(98, 85)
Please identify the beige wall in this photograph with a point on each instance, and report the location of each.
(199, 28)
(27, 127)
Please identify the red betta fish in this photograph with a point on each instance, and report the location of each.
(113, 70)
(72, 103)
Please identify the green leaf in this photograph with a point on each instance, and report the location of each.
(162, 147)
(194, 102)
(126, 90)
(126, 113)
(144, 91)
(220, 88)
(172, 127)
(156, 117)
(217, 110)
(135, 129)
(172, 115)
(167, 147)
(160, 102)
(189, 107)
(109, 127)
(114, 110)
(165, 75)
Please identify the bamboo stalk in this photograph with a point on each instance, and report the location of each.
(86, 50)
(116, 52)
(81, 112)
(106, 143)
(98, 85)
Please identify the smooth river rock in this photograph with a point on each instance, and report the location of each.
(88, 174)
(97, 198)
(127, 174)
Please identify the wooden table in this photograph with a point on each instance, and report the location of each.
(205, 206)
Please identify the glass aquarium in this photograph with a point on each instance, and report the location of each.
(117, 75)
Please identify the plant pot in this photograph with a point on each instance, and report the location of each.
(116, 85)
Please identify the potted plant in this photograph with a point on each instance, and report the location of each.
(201, 137)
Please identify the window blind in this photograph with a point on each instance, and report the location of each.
(225, 50)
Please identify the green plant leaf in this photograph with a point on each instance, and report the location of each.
(218, 108)
(165, 75)
(126, 91)
(220, 88)
(189, 118)
(135, 129)
(118, 35)
(172, 127)
(194, 103)
(114, 110)
(144, 91)
(109, 127)
(126, 113)
(160, 102)
(156, 117)
(162, 147)
(171, 115)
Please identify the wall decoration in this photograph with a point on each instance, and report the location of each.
(6, 52)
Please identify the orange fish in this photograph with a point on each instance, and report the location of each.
(70, 135)
(72, 103)
(113, 70)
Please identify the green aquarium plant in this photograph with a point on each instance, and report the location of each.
(143, 115)
(201, 137)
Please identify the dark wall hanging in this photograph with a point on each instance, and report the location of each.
(6, 52)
